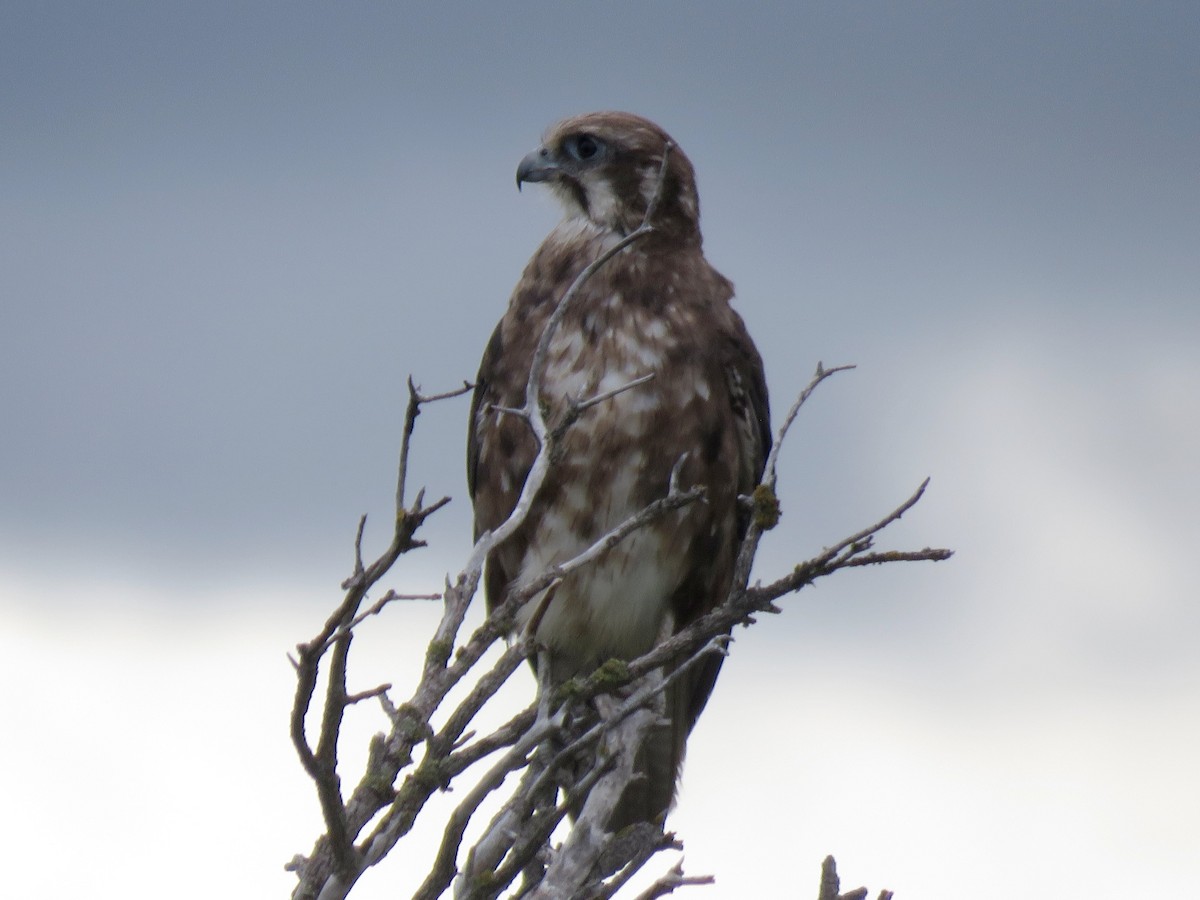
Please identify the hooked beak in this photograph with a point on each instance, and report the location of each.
(539, 165)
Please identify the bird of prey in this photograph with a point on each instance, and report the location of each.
(657, 308)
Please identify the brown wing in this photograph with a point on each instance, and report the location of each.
(494, 578)
(750, 417)
(751, 408)
(480, 400)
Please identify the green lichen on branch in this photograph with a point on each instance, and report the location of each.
(569, 690)
(608, 676)
(766, 507)
(613, 673)
(438, 652)
(432, 774)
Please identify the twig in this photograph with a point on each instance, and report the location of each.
(415, 399)
(846, 553)
(581, 405)
(377, 607)
(576, 408)
(831, 885)
(673, 879)
(769, 475)
(351, 699)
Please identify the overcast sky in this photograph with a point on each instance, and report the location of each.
(229, 232)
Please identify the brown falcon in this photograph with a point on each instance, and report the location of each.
(656, 308)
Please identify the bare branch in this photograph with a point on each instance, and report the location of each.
(672, 880)
(847, 553)
(769, 476)
(415, 400)
(831, 885)
(466, 388)
(446, 755)
(358, 558)
(377, 607)
(351, 699)
(332, 644)
(582, 405)
(621, 730)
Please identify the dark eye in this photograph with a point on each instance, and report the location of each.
(583, 147)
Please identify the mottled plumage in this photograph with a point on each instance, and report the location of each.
(657, 307)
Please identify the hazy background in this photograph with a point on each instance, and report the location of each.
(229, 232)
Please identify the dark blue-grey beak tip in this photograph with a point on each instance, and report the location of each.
(537, 165)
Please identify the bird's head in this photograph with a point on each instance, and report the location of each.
(606, 167)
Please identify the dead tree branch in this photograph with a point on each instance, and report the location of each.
(831, 885)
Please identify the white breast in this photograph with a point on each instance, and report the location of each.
(613, 607)
(617, 604)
